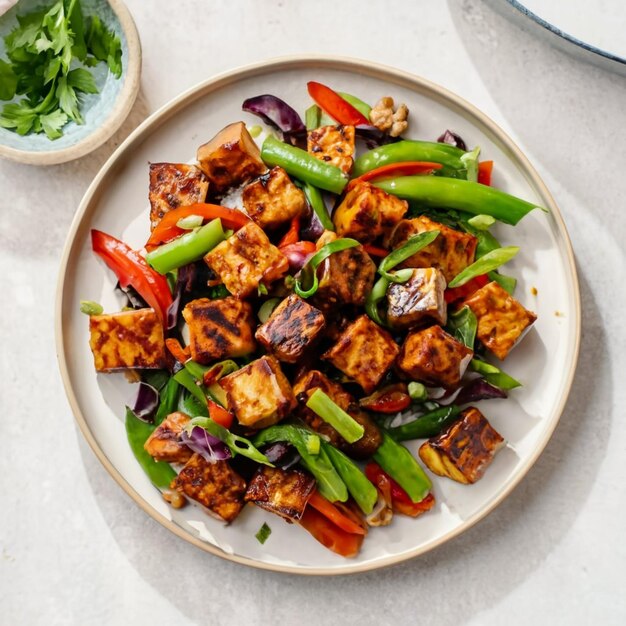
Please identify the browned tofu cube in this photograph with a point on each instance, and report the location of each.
(259, 394)
(304, 388)
(216, 486)
(284, 492)
(293, 326)
(272, 199)
(173, 185)
(451, 252)
(246, 260)
(434, 357)
(364, 352)
(345, 277)
(230, 158)
(130, 339)
(464, 450)
(219, 328)
(334, 145)
(164, 443)
(418, 300)
(366, 211)
(501, 318)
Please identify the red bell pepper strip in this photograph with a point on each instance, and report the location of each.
(330, 511)
(400, 500)
(406, 168)
(131, 269)
(375, 250)
(298, 253)
(293, 234)
(219, 414)
(390, 399)
(176, 350)
(166, 229)
(330, 535)
(484, 172)
(456, 293)
(333, 104)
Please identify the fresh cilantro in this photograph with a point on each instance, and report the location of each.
(41, 51)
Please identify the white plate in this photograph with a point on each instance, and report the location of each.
(116, 202)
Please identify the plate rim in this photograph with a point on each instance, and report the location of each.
(118, 114)
(340, 63)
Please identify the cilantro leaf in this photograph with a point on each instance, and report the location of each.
(53, 122)
(8, 81)
(82, 80)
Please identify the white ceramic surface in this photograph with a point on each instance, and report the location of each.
(545, 360)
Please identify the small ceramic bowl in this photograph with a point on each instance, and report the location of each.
(103, 112)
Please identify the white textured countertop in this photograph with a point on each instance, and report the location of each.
(76, 550)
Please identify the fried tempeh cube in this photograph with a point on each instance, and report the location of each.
(366, 211)
(173, 185)
(219, 328)
(501, 318)
(345, 277)
(434, 357)
(284, 492)
(259, 394)
(216, 486)
(246, 260)
(451, 252)
(130, 339)
(334, 145)
(304, 388)
(464, 450)
(417, 300)
(293, 326)
(364, 352)
(230, 158)
(272, 199)
(164, 443)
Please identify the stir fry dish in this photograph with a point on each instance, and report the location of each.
(312, 294)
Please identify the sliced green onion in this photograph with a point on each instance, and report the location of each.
(482, 222)
(470, 160)
(312, 444)
(463, 325)
(190, 222)
(407, 250)
(315, 199)
(89, 307)
(491, 261)
(267, 308)
(310, 269)
(494, 375)
(334, 415)
(508, 283)
(255, 130)
(262, 290)
(187, 248)
(264, 532)
(235, 443)
(417, 391)
(312, 117)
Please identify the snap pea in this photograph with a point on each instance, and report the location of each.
(399, 463)
(312, 117)
(427, 425)
(302, 165)
(168, 400)
(494, 375)
(235, 443)
(187, 380)
(486, 263)
(463, 195)
(160, 474)
(314, 198)
(359, 487)
(410, 150)
(187, 248)
(329, 483)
